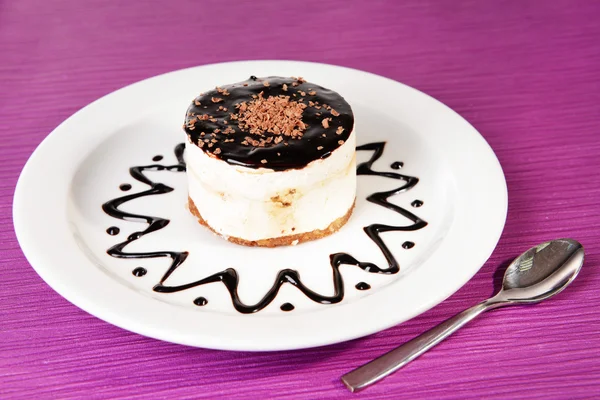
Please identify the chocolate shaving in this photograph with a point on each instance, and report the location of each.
(277, 115)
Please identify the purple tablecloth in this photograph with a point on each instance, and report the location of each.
(526, 74)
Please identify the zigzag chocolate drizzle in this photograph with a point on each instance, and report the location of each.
(229, 277)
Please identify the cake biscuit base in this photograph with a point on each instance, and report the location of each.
(278, 241)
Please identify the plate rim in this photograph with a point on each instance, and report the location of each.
(22, 226)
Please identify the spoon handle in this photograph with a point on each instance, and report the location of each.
(390, 362)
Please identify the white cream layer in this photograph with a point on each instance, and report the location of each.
(254, 204)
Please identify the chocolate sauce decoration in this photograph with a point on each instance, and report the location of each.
(157, 158)
(416, 203)
(229, 277)
(125, 187)
(363, 286)
(113, 230)
(200, 301)
(288, 154)
(287, 307)
(154, 223)
(139, 272)
(408, 245)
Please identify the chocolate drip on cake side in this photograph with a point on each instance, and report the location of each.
(317, 122)
(229, 277)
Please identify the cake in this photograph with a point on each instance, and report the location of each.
(271, 161)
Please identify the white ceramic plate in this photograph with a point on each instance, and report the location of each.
(62, 228)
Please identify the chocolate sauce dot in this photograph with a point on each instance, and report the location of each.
(397, 165)
(113, 230)
(363, 286)
(125, 187)
(200, 301)
(139, 271)
(416, 203)
(287, 307)
(157, 158)
(408, 245)
(253, 77)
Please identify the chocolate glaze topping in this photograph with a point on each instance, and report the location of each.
(220, 134)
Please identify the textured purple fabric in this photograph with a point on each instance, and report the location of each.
(525, 73)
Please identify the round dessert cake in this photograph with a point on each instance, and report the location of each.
(271, 161)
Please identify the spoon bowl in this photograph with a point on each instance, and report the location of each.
(541, 272)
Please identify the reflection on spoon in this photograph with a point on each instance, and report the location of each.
(539, 273)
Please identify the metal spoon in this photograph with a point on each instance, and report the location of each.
(539, 273)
